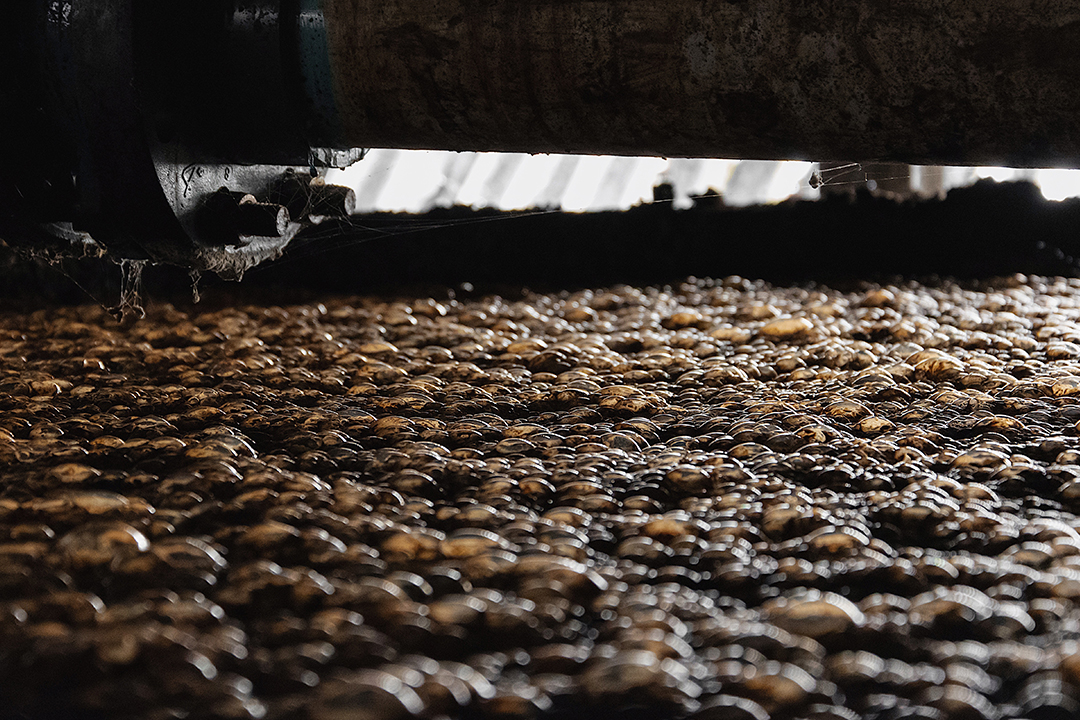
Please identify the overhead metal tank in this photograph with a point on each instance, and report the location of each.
(189, 132)
(920, 81)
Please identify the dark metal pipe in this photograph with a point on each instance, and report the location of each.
(919, 81)
(131, 120)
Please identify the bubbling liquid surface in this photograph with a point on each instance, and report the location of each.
(715, 499)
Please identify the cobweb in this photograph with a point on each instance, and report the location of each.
(130, 307)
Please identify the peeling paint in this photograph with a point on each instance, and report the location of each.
(700, 53)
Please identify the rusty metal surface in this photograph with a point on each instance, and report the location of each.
(125, 120)
(964, 82)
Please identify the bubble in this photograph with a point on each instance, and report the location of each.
(710, 499)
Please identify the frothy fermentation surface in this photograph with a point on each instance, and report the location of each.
(716, 499)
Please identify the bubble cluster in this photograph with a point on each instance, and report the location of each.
(720, 499)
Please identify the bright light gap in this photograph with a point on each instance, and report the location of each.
(417, 180)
